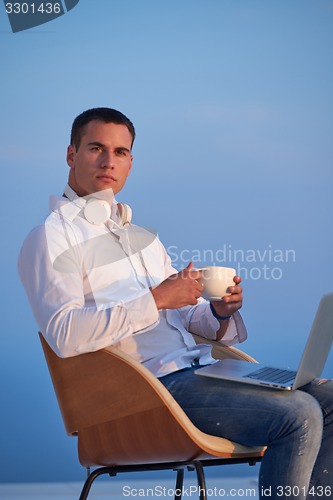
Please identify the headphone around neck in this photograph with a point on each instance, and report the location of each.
(97, 211)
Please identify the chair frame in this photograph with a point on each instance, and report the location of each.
(114, 438)
(179, 467)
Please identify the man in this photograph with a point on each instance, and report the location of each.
(93, 280)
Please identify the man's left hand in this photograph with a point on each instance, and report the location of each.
(230, 303)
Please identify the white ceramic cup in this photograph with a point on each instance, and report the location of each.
(216, 281)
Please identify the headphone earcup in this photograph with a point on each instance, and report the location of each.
(125, 212)
(97, 211)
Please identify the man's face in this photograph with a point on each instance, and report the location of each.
(103, 159)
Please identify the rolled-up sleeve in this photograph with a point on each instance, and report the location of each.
(70, 326)
(200, 320)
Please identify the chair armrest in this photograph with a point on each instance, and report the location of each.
(220, 351)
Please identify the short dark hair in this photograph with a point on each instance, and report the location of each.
(106, 115)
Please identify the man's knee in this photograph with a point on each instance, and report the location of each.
(300, 413)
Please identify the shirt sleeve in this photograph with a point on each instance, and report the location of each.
(59, 305)
(199, 320)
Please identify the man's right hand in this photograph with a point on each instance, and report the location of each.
(181, 289)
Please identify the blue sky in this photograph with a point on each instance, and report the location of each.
(232, 102)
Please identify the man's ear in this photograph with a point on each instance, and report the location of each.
(130, 169)
(70, 155)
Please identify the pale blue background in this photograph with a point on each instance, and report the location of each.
(232, 101)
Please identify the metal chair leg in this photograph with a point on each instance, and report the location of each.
(179, 484)
(201, 479)
(91, 478)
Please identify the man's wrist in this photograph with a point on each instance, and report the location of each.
(217, 316)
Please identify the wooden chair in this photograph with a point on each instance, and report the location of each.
(125, 420)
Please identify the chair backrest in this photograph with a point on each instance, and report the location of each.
(78, 385)
(81, 408)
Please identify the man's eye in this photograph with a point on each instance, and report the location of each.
(97, 148)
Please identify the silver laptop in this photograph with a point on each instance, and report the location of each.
(311, 366)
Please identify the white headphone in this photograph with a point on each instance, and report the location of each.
(125, 213)
(97, 211)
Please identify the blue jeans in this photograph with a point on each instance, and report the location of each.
(296, 426)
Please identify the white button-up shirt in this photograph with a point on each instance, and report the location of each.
(88, 286)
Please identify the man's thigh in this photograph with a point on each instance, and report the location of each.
(248, 414)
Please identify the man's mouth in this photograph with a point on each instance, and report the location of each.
(106, 177)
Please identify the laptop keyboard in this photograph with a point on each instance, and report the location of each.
(274, 375)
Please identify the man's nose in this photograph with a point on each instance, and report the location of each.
(108, 159)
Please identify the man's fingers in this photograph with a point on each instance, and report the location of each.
(234, 297)
(191, 272)
(235, 289)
